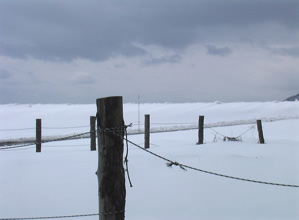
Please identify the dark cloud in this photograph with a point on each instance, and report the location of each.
(99, 30)
(224, 51)
(76, 51)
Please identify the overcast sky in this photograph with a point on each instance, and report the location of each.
(75, 51)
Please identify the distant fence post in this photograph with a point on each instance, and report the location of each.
(200, 129)
(260, 130)
(93, 145)
(111, 174)
(146, 131)
(38, 135)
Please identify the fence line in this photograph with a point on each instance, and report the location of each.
(209, 125)
(72, 137)
(193, 125)
(170, 162)
(32, 140)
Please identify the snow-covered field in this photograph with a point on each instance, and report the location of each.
(61, 180)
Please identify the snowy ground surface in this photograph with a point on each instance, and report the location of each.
(61, 180)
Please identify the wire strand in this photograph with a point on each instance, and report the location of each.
(64, 216)
(46, 141)
(50, 217)
(126, 161)
(170, 163)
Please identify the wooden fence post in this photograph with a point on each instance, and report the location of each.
(146, 131)
(93, 145)
(38, 135)
(111, 175)
(200, 129)
(260, 130)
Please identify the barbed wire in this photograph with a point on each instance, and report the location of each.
(117, 131)
(50, 217)
(66, 127)
(17, 129)
(17, 146)
(232, 138)
(168, 129)
(126, 161)
(183, 166)
(170, 162)
(168, 123)
(249, 129)
(21, 148)
(21, 129)
(239, 122)
(64, 216)
(46, 141)
(70, 145)
(55, 146)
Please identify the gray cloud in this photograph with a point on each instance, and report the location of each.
(99, 30)
(166, 59)
(224, 51)
(56, 51)
(85, 80)
(5, 74)
(292, 51)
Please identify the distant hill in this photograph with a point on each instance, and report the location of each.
(293, 98)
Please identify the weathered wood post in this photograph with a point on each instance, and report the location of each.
(260, 130)
(200, 129)
(111, 175)
(93, 145)
(38, 135)
(146, 131)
